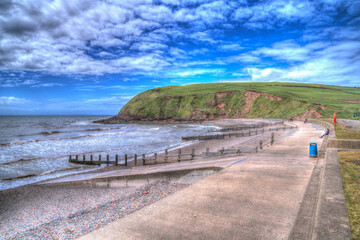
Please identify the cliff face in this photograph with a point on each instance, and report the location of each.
(154, 105)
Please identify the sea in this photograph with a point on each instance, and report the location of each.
(36, 148)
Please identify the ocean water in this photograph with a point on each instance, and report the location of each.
(41, 144)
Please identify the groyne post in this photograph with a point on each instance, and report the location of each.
(77, 158)
(192, 154)
(83, 159)
(166, 155)
(143, 159)
(69, 158)
(135, 159)
(207, 152)
(272, 138)
(91, 159)
(125, 159)
(107, 160)
(155, 157)
(116, 159)
(261, 144)
(179, 156)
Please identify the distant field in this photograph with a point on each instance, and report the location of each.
(343, 100)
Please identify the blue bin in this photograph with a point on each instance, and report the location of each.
(313, 150)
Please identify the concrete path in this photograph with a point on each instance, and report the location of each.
(258, 197)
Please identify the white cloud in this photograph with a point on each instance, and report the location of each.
(286, 50)
(12, 100)
(230, 47)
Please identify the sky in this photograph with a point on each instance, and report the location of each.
(91, 57)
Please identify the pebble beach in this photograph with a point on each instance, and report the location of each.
(45, 212)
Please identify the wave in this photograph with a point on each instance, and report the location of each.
(58, 139)
(47, 133)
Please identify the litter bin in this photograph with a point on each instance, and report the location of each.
(313, 150)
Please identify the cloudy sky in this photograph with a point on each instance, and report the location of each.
(91, 57)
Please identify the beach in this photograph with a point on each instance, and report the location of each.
(66, 212)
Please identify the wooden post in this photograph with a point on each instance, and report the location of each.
(107, 160)
(249, 132)
(135, 159)
(166, 155)
(83, 158)
(77, 158)
(207, 152)
(179, 156)
(125, 159)
(143, 159)
(256, 132)
(99, 159)
(155, 157)
(222, 152)
(116, 159)
(91, 159)
(192, 154)
(256, 149)
(69, 158)
(272, 138)
(263, 130)
(261, 143)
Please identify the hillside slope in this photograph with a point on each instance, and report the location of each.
(199, 102)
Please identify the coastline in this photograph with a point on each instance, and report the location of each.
(63, 215)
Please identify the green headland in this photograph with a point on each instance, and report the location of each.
(200, 102)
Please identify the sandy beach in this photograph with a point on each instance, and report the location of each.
(45, 211)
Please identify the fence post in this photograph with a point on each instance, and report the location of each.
(192, 154)
(125, 159)
(272, 138)
(166, 155)
(135, 159)
(261, 147)
(107, 160)
(207, 152)
(179, 156)
(116, 159)
(143, 159)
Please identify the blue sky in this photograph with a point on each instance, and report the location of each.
(91, 57)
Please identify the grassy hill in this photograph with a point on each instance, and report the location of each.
(241, 100)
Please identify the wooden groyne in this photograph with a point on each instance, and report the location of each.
(235, 134)
(251, 126)
(143, 159)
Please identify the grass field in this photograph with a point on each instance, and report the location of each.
(180, 101)
(350, 171)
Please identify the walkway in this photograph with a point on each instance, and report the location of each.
(257, 198)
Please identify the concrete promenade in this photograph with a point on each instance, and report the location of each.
(260, 196)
